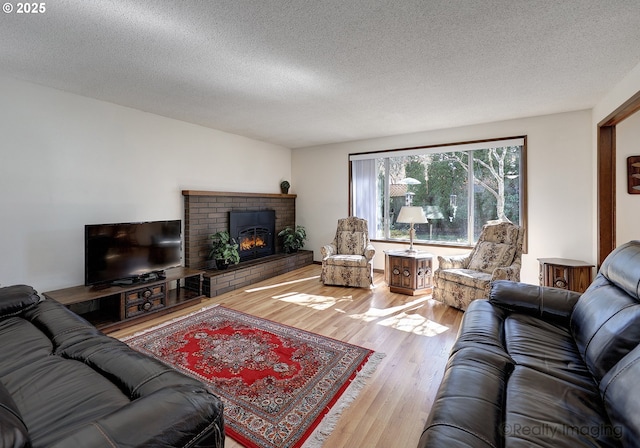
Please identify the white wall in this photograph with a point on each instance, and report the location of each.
(67, 161)
(560, 184)
(627, 205)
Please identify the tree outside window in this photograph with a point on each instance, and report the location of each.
(459, 190)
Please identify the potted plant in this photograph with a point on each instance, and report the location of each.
(284, 186)
(224, 250)
(293, 238)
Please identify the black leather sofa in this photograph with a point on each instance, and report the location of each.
(65, 384)
(543, 367)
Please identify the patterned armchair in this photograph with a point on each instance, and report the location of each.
(348, 260)
(461, 279)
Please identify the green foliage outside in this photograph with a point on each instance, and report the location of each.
(444, 192)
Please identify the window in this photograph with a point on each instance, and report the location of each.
(459, 186)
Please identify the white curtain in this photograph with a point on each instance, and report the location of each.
(365, 193)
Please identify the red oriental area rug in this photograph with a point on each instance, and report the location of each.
(281, 386)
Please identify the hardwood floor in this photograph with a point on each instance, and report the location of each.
(415, 333)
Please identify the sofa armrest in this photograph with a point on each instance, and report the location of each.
(453, 261)
(178, 416)
(369, 252)
(13, 431)
(17, 298)
(540, 301)
(328, 250)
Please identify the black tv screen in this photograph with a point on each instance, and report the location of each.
(129, 251)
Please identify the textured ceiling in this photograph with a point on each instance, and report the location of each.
(308, 72)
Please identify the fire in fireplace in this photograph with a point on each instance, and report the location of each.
(250, 241)
(254, 231)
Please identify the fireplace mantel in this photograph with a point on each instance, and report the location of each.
(236, 194)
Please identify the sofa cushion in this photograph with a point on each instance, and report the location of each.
(547, 348)
(545, 411)
(14, 299)
(487, 256)
(467, 277)
(347, 260)
(351, 243)
(474, 385)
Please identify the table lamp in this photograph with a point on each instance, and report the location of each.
(411, 215)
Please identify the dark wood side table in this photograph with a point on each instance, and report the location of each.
(574, 275)
(408, 272)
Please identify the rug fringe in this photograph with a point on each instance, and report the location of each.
(169, 322)
(329, 422)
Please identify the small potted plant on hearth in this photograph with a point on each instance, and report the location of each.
(293, 238)
(224, 250)
(284, 186)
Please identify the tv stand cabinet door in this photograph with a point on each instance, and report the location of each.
(144, 300)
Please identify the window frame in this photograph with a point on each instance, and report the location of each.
(446, 148)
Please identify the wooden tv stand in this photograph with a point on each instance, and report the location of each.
(117, 307)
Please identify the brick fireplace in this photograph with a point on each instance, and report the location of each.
(207, 212)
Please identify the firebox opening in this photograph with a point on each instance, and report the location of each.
(249, 242)
(254, 232)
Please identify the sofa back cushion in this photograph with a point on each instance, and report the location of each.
(488, 255)
(501, 232)
(606, 319)
(351, 243)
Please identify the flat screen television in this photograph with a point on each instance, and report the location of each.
(130, 252)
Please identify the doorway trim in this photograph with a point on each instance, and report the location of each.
(606, 160)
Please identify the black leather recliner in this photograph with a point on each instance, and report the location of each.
(544, 367)
(65, 384)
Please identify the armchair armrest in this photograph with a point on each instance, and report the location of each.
(328, 250)
(453, 261)
(369, 252)
(541, 301)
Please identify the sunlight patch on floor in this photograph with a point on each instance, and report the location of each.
(292, 282)
(397, 317)
(376, 313)
(310, 300)
(414, 323)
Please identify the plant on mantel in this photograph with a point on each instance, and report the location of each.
(224, 250)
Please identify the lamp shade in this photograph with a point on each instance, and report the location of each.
(411, 215)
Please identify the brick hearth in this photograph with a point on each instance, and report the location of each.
(248, 272)
(207, 212)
